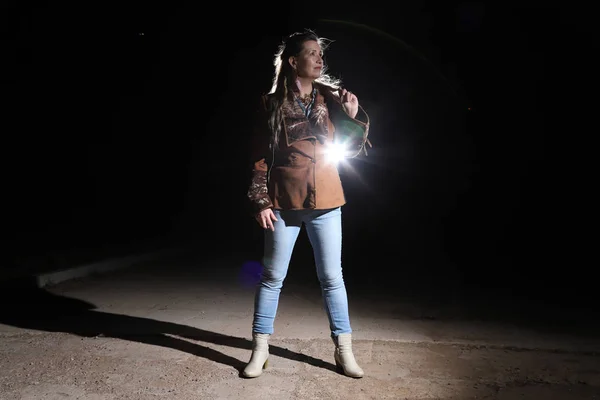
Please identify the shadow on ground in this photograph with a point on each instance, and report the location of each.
(24, 305)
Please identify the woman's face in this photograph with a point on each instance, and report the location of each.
(309, 63)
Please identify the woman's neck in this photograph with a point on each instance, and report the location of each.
(305, 86)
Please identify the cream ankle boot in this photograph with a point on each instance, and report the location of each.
(344, 358)
(260, 355)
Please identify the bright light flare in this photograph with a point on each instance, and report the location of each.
(336, 152)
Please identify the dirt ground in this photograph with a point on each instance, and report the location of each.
(154, 332)
(63, 366)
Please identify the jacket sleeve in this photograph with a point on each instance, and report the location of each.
(258, 192)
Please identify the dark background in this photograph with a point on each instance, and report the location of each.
(126, 128)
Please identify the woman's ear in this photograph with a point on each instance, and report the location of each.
(292, 61)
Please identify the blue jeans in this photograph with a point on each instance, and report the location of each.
(324, 228)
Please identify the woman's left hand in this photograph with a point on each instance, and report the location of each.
(349, 102)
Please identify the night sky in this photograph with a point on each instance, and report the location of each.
(129, 125)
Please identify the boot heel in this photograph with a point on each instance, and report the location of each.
(266, 364)
(338, 367)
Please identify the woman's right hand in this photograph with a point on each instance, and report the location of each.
(266, 218)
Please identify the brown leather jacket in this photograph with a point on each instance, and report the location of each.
(297, 174)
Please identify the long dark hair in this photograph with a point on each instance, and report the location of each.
(284, 78)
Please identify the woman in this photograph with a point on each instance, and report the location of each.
(294, 183)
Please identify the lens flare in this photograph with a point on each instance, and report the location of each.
(250, 273)
(336, 152)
